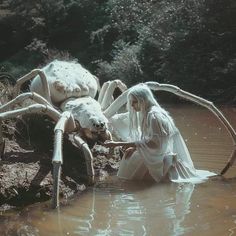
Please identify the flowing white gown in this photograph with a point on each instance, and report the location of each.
(170, 160)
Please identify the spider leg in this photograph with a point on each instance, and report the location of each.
(21, 111)
(22, 97)
(106, 94)
(2, 142)
(102, 91)
(35, 108)
(116, 105)
(118, 123)
(30, 76)
(65, 123)
(88, 157)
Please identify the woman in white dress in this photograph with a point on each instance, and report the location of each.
(156, 147)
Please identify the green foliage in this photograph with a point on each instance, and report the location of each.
(188, 43)
(124, 66)
(152, 28)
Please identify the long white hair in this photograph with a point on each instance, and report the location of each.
(138, 120)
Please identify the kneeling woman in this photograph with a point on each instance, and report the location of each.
(156, 147)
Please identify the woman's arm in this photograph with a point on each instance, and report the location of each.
(152, 143)
(159, 131)
(116, 144)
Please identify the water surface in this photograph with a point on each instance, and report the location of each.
(113, 207)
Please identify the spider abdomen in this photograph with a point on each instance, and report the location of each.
(66, 80)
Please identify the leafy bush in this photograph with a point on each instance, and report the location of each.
(125, 65)
(187, 43)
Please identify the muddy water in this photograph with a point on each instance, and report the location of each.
(113, 207)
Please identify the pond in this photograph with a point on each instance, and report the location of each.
(113, 207)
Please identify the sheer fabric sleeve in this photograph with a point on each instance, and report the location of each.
(159, 129)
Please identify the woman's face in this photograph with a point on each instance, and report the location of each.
(134, 103)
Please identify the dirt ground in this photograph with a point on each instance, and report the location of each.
(26, 168)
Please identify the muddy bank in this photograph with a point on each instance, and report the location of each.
(26, 168)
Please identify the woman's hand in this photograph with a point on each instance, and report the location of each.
(124, 145)
(110, 144)
(128, 152)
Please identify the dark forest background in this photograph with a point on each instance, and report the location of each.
(188, 43)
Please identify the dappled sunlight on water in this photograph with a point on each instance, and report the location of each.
(113, 207)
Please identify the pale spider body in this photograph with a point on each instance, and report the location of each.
(66, 80)
(73, 88)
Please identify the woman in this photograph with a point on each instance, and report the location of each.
(156, 148)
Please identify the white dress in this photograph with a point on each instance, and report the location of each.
(170, 160)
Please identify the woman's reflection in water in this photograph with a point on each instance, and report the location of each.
(135, 208)
(111, 208)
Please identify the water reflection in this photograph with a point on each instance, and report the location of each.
(129, 209)
(115, 208)
(17, 224)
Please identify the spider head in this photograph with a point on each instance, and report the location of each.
(95, 122)
(88, 114)
(94, 127)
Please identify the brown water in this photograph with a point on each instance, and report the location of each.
(113, 207)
